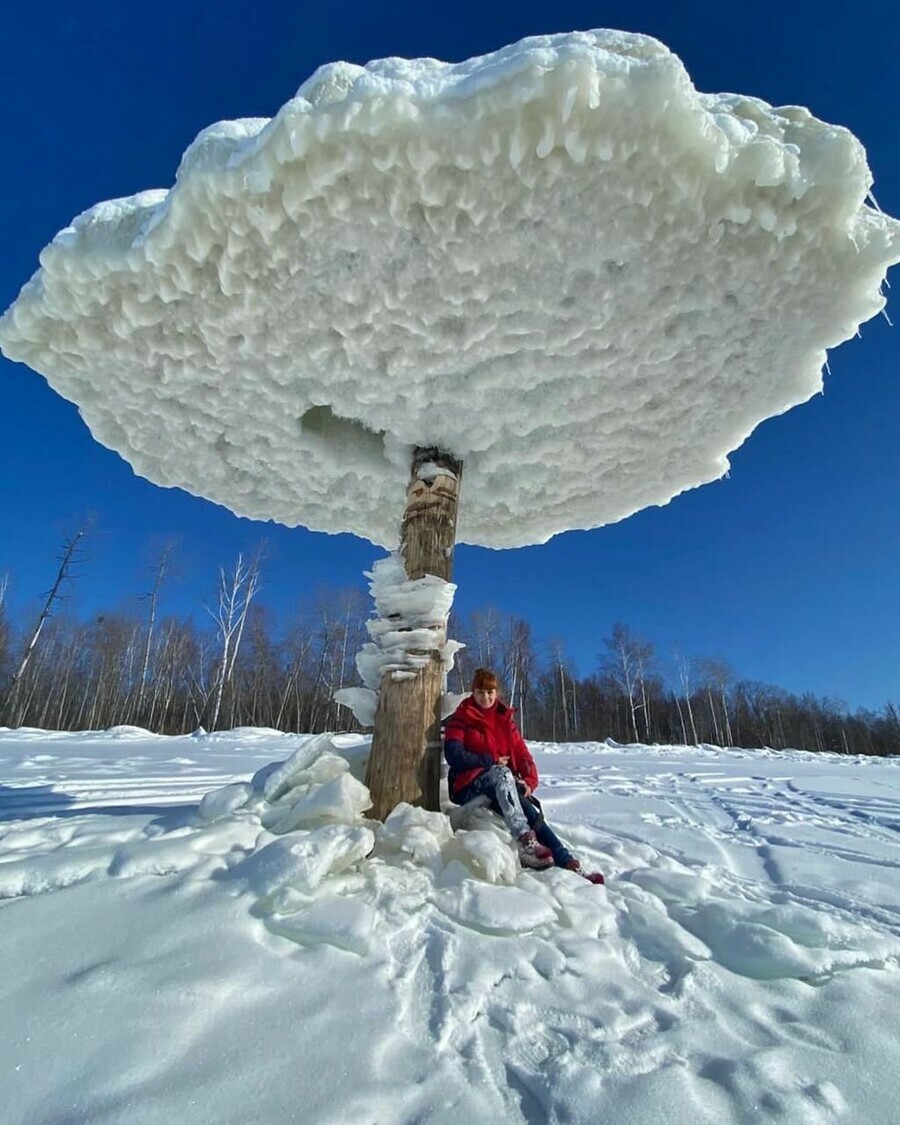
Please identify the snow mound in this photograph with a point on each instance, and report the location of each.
(319, 873)
(639, 272)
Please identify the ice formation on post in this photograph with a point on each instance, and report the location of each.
(560, 262)
(410, 623)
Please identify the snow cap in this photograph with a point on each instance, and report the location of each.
(559, 263)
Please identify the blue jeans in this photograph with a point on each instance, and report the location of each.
(519, 812)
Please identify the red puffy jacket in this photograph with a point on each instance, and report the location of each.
(475, 739)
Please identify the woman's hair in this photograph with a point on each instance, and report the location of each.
(485, 680)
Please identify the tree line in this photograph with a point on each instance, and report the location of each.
(172, 675)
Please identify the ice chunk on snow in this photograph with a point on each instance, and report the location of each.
(343, 799)
(495, 910)
(326, 767)
(415, 832)
(487, 854)
(286, 776)
(301, 860)
(341, 921)
(223, 802)
(640, 273)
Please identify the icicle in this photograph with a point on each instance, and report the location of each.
(870, 198)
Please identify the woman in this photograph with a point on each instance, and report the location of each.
(488, 757)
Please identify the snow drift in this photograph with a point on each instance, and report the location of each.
(205, 929)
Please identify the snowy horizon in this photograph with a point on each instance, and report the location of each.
(198, 930)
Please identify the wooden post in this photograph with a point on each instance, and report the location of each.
(405, 763)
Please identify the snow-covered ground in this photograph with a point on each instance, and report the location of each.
(252, 959)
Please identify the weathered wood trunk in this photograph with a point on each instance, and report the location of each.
(405, 763)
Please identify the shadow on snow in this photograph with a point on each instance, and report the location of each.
(28, 802)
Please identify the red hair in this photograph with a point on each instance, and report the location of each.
(484, 680)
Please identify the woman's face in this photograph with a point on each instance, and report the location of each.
(485, 697)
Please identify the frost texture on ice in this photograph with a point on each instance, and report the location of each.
(560, 263)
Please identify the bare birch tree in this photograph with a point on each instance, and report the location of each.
(486, 638)
(625, 661)
(643, 657)
(519, 668)
(236, 593)
(5, 632)
(152, 598)
(71, 547)
(717, 676)
(684, 668)
(565, 687)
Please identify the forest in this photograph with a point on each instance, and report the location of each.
(240, 667)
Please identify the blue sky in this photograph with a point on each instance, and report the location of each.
(788, 569)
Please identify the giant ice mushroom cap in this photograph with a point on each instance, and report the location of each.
(559, 262)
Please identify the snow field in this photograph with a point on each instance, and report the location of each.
(260, 951)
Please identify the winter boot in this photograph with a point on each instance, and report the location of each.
(532, 853)
(591, 876)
